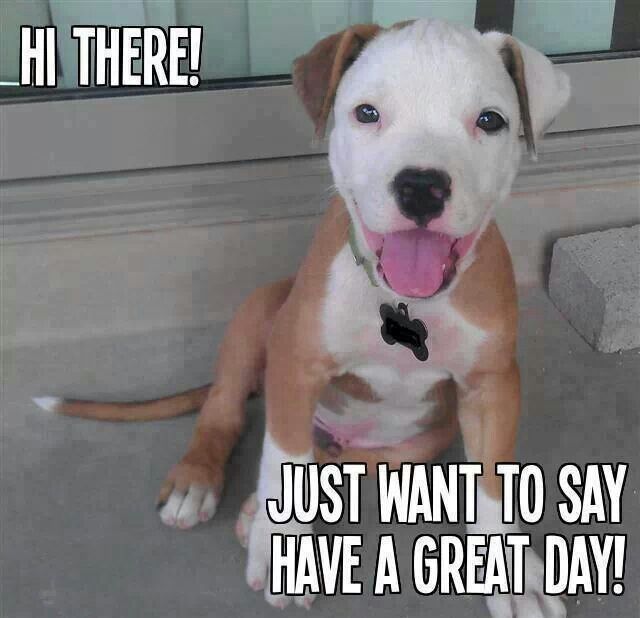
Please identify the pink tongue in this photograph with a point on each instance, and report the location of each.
(416, 261)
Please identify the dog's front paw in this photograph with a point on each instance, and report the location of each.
(533, 603)
(190, 494)
(254, 530)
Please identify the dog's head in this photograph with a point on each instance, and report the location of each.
(425, 137)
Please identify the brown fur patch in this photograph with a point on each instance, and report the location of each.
(402, 24)
(355, 387)
(238, 372)
(317, 73)
(443, 393)
(152, 410)
(489, 397)
(445, 397)
(489, 412)
(298, 365)
(486, 296)
(514, 63)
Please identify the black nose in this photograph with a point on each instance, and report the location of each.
(421, 194)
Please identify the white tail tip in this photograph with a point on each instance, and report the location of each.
(50, 404)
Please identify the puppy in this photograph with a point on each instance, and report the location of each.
(399, 329)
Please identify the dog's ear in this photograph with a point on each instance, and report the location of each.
(543, 90)
(316, 75)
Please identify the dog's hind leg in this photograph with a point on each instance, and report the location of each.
(193, 487)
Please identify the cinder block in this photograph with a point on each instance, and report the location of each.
(595, 283)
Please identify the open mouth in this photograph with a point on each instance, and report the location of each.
(417, 262)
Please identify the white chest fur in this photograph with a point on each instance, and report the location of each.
(351, 324)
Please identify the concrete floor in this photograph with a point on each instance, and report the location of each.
(80, 537)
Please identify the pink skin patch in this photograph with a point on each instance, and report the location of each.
(346, 435)
(470, 125)
(418, 262)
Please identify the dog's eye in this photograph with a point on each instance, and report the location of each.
(490, 122)
(366, 113)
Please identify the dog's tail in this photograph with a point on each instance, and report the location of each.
(152, 410)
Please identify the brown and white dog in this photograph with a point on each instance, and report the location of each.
(424, 147)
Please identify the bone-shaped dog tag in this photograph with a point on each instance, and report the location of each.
(398, 327)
